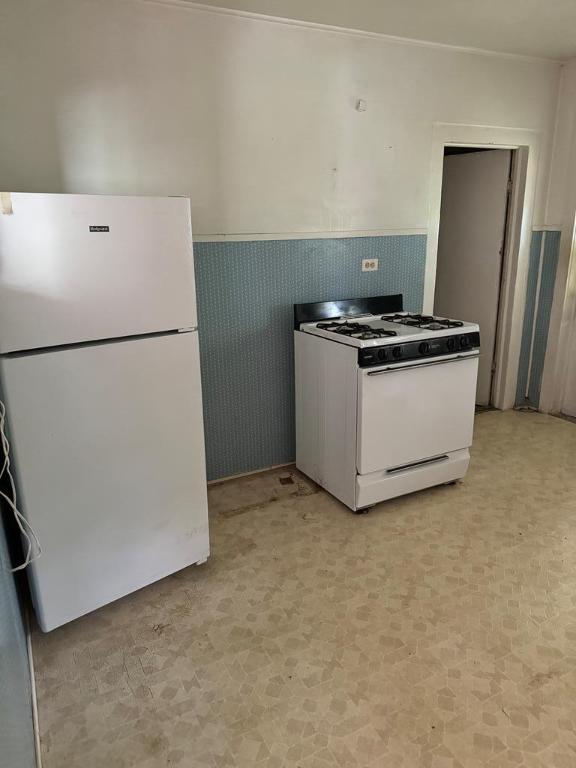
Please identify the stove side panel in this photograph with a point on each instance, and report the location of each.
(326, 407)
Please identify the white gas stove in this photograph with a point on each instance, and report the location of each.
(384, 398)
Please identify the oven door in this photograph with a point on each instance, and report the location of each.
(415, 411)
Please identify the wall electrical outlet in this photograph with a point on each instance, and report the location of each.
(369, 265)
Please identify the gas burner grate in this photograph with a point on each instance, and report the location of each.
(423, 321)
(356, 330)
(452, 323)
(376, 333)
(333, 325)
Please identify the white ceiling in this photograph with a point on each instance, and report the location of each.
(543, 28)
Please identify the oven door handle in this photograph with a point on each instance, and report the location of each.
(397, 368)
(418, 464)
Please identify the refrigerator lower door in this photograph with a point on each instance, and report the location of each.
(109, 452)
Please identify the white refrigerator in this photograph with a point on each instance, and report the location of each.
(100, 373)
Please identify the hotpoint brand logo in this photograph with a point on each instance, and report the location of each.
(100, 229)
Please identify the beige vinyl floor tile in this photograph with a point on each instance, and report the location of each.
(438, 631)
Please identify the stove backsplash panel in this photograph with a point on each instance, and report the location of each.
(246, 291)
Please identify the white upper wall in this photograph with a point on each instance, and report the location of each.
(561, 212)
(254, 120)
(562, 193)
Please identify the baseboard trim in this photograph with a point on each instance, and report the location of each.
(247, 474)
(35, 719)
(563, 416)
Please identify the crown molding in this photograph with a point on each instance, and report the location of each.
(393, 39)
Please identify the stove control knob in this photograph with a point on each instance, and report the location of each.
(451, 344)
(397, 352)
(424, 348)
(381, 354)
(464, 342)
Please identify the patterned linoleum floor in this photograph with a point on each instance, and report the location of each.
(439, 631)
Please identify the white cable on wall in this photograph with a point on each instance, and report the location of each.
(25, 528)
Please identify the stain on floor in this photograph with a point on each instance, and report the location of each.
(243, 494)
(428, 633)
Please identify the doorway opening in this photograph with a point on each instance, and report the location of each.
(477, 185)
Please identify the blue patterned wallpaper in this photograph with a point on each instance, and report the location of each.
(246, 291)
(537, 316)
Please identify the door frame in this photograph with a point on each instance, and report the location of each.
(518, 237)
(500, 265)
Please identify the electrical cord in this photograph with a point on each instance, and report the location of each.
(25, 528)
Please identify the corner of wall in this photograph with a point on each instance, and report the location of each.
(544, 254)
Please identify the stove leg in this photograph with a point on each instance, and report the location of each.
(364, 510)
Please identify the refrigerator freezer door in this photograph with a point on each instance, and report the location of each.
(82, 267)
(109, 450)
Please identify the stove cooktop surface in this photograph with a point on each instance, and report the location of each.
(376, 330)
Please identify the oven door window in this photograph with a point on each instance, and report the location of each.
(414, 413)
